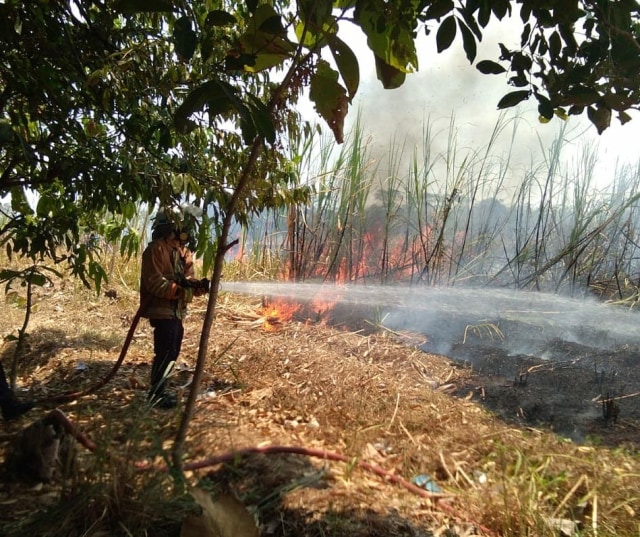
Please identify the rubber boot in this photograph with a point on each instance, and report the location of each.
(12, 408)
(158, 397)
(164, 401)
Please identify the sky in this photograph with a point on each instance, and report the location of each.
(446, 86)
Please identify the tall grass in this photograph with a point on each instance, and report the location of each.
(415, 216)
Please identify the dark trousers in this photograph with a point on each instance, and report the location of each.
(167, 341)
(5, 390)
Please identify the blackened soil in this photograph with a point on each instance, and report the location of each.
(579, 392)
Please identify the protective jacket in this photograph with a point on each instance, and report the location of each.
(164, 264)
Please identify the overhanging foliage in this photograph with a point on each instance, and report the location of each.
(106, 106)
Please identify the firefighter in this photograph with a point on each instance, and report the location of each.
(167, 286)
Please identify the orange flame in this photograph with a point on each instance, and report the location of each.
(321, 307)
(278, 312)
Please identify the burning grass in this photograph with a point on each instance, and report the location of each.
(369, 397)
(277, 312)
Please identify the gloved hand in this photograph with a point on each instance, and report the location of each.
(201, 287)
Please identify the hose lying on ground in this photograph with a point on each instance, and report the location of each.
(72, 396)
(439, 498)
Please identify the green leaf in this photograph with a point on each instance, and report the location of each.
(263, 13)
(617, 102)
(218, 17)
(524, 37)
(501, 8)
(555, 45)
(330, 98)
(561, 113)
(600, 116)
(247, 125)
(273, 25)
(53, 271)
(129, 244)
(484, 14)
(8, 274)
(142, 6)
(566, 31)
(177, 182)
(519, 81)
(439, 9)
(239, 62)
(47, 206)
(390, 77)
(505, 53)
(394, 44)
(521, 62)
(220, 105)
(185, 38)
(576, 110)
(269, 50)
(264, 61)
(346, 61)
(6, 133)
(165, 141)
(623, 117)
(468, 41)
(471, 23)
(97, 274)
(315, 13)
(512, 99)
(36, 278)
(262, 119)
(344, 4)
(308, 37)
(19, 203)
(545, 108)
(213, 91)
(488, 67)
(446, 33)
(582, 96)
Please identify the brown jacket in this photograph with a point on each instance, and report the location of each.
(164, 262)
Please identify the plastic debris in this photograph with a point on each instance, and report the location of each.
(425, 482)
(481, 477)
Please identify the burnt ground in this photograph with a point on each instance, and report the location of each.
(587, 391)
(579, 392)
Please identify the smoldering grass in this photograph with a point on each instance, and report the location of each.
(489, 331)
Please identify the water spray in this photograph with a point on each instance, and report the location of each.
(528, 320)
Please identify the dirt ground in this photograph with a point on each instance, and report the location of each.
(333, 385)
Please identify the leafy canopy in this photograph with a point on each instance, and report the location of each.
(110, 106)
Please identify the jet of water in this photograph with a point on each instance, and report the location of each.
(525, 319)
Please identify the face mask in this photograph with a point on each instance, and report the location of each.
(181, 235)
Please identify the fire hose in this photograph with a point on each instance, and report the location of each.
(204, 284)
(72, 396)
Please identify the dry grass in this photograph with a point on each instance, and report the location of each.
(370, 397)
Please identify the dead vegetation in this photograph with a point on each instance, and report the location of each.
(368, 401)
